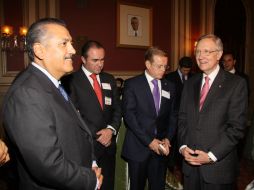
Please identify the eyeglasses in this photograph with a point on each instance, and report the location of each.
(205, 52)
(164, 67)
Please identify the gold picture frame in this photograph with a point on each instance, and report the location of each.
(134, 25)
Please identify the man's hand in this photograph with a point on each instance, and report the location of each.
(105, 136)
(99, 176)
(166, 144)
(196, 157)
(4, 155)
(154, 146)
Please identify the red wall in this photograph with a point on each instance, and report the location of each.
(97, 20)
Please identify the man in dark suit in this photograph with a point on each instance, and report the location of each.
(102, 113)
(52, 143)
(229, 61)
(150, 118)
(180, 76)
(212, 118)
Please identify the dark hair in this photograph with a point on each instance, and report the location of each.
(37, 32)
(229, 53)
(185, 62)
(152, 51)
(88, 45)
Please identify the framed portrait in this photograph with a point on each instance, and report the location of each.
(134, 25)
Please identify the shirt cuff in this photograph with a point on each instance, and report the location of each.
(112, 128)
(211, 155)
(180, 149)
(94, 164)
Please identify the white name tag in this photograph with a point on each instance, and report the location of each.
(106, 86)
(165, 94)
(108, 101)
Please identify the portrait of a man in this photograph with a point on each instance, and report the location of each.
(134, 26)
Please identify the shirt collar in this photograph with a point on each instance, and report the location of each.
(213, 74)
(148, 77)
(88, 73)
(54, 80)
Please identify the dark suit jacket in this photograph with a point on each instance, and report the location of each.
(175, 78)
(246, 77)
(53, 145)
(217, 127)
(141, 120)
(85, 100)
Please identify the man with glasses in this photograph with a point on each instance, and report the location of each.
(150, 118)
(212, 117)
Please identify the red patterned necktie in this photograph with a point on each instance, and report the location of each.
(97, 89)
(204, 92)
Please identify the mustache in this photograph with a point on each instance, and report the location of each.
(70, 56)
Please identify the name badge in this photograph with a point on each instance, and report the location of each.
(108, 101)
(106, 86)
(165, 94)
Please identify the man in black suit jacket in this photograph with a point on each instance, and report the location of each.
(103, 115)
(180, 76)
(150, 123)
(229, 61)
(52, 143)
(211, 124)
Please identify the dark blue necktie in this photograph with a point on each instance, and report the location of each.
(156, 95)
(63, 92)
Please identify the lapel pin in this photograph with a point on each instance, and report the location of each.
(219, 86)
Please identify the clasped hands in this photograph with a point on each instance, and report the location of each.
(105, 136)
(195, 157)
(155, 146)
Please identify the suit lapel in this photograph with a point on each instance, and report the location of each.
(88, 89)
(148, 96)
(197, 90)
(164, 87)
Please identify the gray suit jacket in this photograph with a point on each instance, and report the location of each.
(52, 144)
(219, 125)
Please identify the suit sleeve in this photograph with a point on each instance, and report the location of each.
(31, 122)
(182, 118)
(130, 114)
(237, 113)
(172, 115)
(116, 112)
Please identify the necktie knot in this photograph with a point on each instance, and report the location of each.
(93, 76)
(155, 82)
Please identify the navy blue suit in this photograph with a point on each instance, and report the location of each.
(143, 125)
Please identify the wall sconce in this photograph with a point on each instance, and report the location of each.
(11, 41)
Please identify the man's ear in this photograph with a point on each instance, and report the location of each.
(39, 51)
(148, 64)
(219, 55)
(83, 59)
